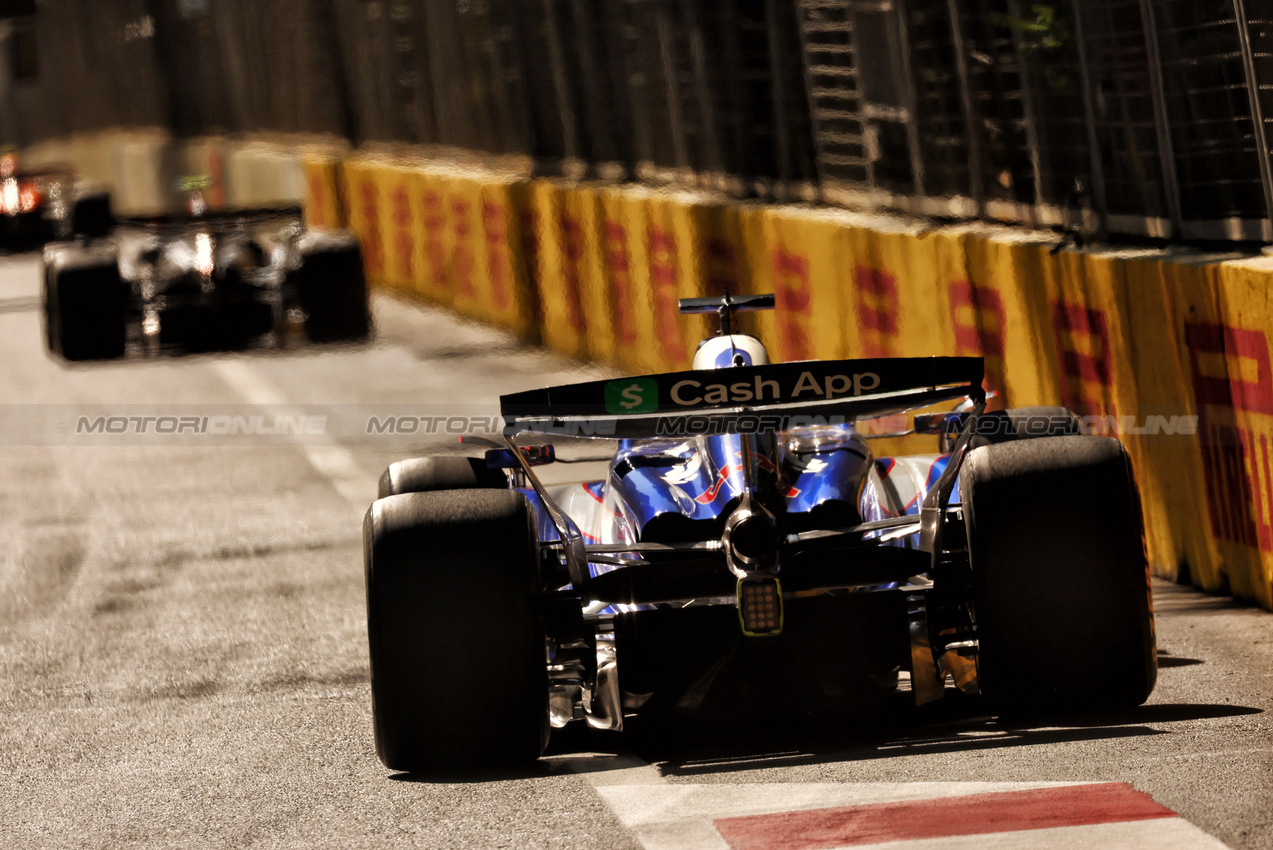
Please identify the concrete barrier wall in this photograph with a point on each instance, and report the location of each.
(131, 164)
(449, 235)
(1167, 349)
(142, 168)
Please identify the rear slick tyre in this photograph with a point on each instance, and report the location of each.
(458, 670)
(85, 305)
(427, 474)
(1060, 576)
(331, 288)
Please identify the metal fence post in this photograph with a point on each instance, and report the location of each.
(1089, 116)
(907, 74)
(570, 133)
(1257, 112)
(975, 178)
(782, 130)
(672, 80)
(1027, 103)
(1166, 154)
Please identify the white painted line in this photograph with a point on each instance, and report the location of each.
(647, 804)
(1210, 755)
(607, 771)
(1162, 834)
(21, 277)
(665, 815)
(333, 462)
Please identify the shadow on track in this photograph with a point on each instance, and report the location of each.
(957, 724)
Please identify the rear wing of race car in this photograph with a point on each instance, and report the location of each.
(743, 399)
(229, 219)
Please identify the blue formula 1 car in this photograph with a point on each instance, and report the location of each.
(748, 557)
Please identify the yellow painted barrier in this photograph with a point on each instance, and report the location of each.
(506, 269)
(804, 253)
(1229, 356)
(463, 244)
(575, 265)
(617, 249)
(1170, 473)
(560, 266)
(433, 279)
(1010, 318)
(322, 202)
(648, 249)
(656, 244)
(399, 210)
(365, 199)
(968, 308)
(718, 262)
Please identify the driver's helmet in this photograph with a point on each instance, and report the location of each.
(722, 352)
(194, 185)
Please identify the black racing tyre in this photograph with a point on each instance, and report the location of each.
(331, 288)
(26, 231)
(1060, 575)
(51, 336)
(92, 216)
(458, 671)
(85, 306)
(425, 474)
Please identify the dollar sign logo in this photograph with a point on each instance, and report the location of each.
(632, 397)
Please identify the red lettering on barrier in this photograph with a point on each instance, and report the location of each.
(877, 310)
(792, 296)
(722, 267)
(404, 244)
(616, 257)
(977, 312)
(1230, 389)
(216, 192)
(372, 251)
(978, 319)
(663, 280)
(530, 249)
(1235, 460)
(1232, 461)
(495, 230)
(434, 246)
(462, 256)
(317, 209)
(572, 257)
(1083, 350)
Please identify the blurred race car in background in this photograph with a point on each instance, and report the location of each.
(203, 281)
(748, 557)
